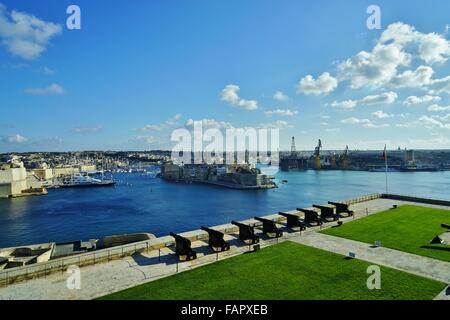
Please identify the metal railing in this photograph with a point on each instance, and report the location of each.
(43, 269)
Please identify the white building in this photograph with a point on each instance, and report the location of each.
(14, 179)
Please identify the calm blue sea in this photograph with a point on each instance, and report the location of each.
(140, 203)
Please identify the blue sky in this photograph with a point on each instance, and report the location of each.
(137, 70)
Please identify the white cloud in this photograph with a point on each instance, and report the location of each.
(281, 112)
(431, 47)
(279, 124)
(15, 139)
(366, 123)
(146, 139)
(413, 79)
(412, 100)
(347, 104)
(374, 126)
(440, 86)
(209, 124)
(230, 95)
(353, 120)
(380, 114)
(161, 126)
(375, 68)
(438, 108)
(396, 48)
(280, 96)
(383, 98)
(324, 84)
(53, 89)
(433, 122)
(25, 35)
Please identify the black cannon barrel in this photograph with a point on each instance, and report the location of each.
(264, 220)
(240, 224)
(321, 206)
(285, 214)
(337, 203)
(178, 237)
(307, 210)
(212, 231)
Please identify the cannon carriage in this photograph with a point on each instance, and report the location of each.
(342, 208)
(293, 221)
(246, 232)
(183, 247)
(269, 227)
(311, 216)
(215, 239)
(327, 211)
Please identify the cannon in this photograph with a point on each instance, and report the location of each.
(342, 208)
(215, 239)
(246, 232)
(438, 239)
(270, 227)
(327, 211)
(293, 221)
(311, 216)
(183, 247)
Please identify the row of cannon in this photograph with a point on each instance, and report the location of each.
(318, 214)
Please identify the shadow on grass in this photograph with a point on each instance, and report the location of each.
(436, 248)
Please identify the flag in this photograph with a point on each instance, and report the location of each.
(385, 153)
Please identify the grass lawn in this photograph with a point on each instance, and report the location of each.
(284, 271)
(407, 228)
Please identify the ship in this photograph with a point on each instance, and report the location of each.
(418, 169)
(83, 181)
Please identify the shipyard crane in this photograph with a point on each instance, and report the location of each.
(344, 159)
(317, 155)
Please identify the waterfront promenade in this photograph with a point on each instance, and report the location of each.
(104, 278)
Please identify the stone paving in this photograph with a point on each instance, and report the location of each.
(101, 279)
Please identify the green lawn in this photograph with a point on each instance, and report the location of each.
(284, 271)
(407, 228)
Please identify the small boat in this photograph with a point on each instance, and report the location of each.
(382, 169)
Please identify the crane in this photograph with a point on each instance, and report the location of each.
(344, 159)
(317, 155)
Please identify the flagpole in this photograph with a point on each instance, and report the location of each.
(386, 165)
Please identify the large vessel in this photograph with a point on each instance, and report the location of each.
(80, 181)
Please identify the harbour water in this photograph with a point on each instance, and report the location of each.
(144, 203)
